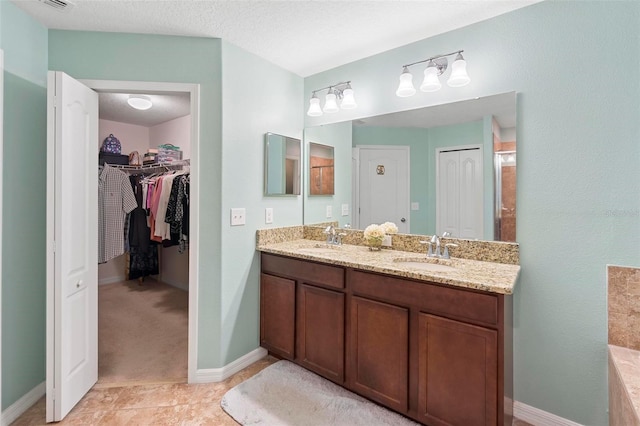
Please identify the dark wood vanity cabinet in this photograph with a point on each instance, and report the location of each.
(457, 372)
(320, 331)
(277, 315)
(314, 305)
(438, 354)
(379, 352)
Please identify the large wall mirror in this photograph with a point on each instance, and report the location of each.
(282, 156)
(449, 167)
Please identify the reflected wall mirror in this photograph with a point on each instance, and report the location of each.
(282, 157)
(321, 169)
(431, 136)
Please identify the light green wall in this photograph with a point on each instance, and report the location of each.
(578, 156)
(315, 206)
(257, 97)
(24, 42)
(112, 56)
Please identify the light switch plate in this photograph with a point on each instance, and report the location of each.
(238, 216)
(268, 215)
(345, 210)
(329, 212)
(415, 206)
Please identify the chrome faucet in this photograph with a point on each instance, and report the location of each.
(435, 240)
(331, 234)
(334, 237)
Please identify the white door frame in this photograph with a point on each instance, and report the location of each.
(355, 174)
(437, 179)
(1, 194)
(194, 251)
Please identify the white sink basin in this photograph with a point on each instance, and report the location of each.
(320, 249)
(427, 264)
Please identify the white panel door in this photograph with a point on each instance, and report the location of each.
(384, 186)
(72, 249)
(448, 200)
(459, 192)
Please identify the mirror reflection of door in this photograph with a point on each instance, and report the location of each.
(321, 171)
(383, 186)
(459, 192)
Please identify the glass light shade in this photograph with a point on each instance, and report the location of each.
(406, 89)
(348, 101)
(459, 76)
(431, 82)
(330, 103)
(139, 102)
(314, 107)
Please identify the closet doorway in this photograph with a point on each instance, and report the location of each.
(147, 316)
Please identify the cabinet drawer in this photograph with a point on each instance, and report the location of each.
(303, 270)
(449, 302)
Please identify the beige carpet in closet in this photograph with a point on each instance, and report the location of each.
(142, 333)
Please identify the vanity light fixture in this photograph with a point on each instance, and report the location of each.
(338, 92)
(435, 67)
(140, 102)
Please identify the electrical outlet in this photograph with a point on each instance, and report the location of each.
(345, 210)
(329, 212)
(238, 216)
(415, 206)
(268, 215)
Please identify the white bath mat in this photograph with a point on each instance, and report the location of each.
(285, 394)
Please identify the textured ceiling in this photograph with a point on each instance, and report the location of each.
(302, 36)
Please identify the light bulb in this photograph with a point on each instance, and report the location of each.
(431, 82)
(459, 76)
(314, 107)
(330, 103)
(348, 101)
(406, 89)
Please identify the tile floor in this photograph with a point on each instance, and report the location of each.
(154, 404)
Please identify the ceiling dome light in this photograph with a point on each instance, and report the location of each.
(431, 82)
(330, 103)
(406, 89)
(314, 106)
(140, 102)
(459, 76)
(348, 100)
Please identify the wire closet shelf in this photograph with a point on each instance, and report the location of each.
(153, 168)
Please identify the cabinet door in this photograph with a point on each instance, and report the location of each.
(458, 372)
(277, 315)
(379, 352)
(320, 331)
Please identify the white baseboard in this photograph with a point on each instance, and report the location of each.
(210, 375)
(19, 407)
(537, 417)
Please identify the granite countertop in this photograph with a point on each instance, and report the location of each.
(486, 276)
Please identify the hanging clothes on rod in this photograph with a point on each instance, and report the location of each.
(115, 200)
(161, 194)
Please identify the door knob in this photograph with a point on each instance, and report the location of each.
(78, 284)
(403, 220)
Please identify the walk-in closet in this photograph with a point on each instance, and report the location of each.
(143, 271)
